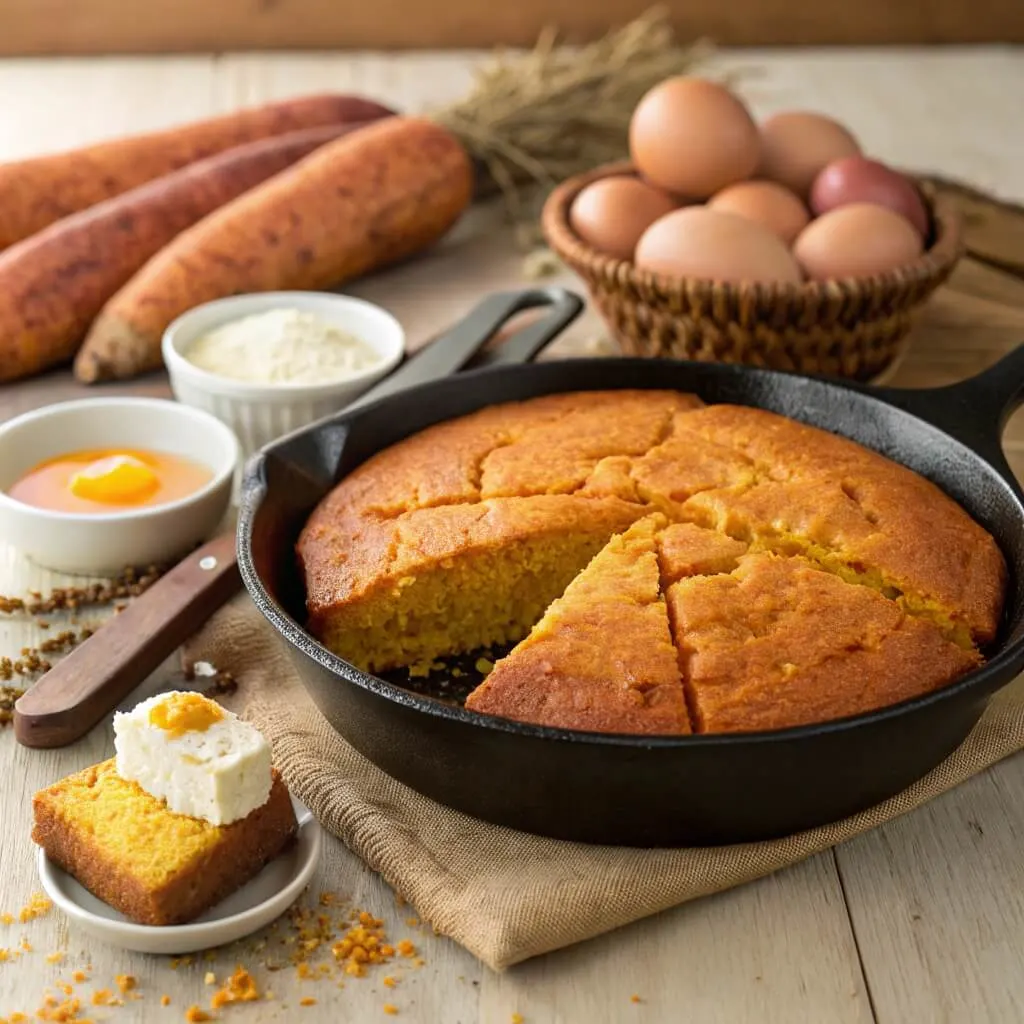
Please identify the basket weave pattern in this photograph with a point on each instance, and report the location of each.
(851, 328)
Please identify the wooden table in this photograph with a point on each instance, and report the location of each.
(922, 920)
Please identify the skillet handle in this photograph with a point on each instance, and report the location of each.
(453, 350)
(974, 411)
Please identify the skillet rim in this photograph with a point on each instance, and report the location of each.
(255, 490)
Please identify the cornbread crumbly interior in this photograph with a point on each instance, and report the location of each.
(462, 535)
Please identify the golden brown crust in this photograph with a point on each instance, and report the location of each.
(854, 508)
(602, 657)
(182, 879)
(779, 643)
(432, 484)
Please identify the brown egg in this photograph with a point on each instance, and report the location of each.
(855, 179)
(856, 241)
(693, 137)
(769, 204)
(612, 214)
(715, 246)
(796, 145)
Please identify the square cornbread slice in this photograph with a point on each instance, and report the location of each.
(154, 866)
(602, 657)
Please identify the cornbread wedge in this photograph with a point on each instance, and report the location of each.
(602, 657)
(154, 866)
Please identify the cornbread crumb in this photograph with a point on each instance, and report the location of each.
(635, 999)
(125, 982)
(239, 988)
(517, 1018)
(389, 982)
(79, 976)
(406, 948)
(63, 1013)
(101, 997)
(55, 957)
(307, 1001)
(194, 1015)
(390, 1009)
(412, 922)
(210, 978)
(37, 906)
(165, 1000)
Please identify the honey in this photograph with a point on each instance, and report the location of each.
(185, 712)
(109, 480)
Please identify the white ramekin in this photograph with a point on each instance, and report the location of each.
(260, 413)
(105, 543)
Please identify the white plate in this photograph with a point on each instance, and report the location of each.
(252, 907)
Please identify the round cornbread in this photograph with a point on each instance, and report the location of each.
(796, 575)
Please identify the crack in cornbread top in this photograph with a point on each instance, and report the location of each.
(492, 477)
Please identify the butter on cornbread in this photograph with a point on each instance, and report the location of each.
(802, 576)
(203, 814)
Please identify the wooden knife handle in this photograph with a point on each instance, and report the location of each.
(95, 677)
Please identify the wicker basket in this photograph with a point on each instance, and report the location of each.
(851, 328)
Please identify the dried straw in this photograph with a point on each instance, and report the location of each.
(557, 111)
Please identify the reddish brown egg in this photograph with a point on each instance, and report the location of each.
(693, 137)
(855, 179)
(715, 246)
(797, 145)
(612, 214)
(766, 202)
(856, 241)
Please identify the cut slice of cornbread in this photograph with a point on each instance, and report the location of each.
(154, 866)
(457, 578)
(601, 658)
(778, 643)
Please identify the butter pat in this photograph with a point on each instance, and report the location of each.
(201, 759)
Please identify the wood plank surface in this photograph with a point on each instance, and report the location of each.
(787, 949)
(170, 26)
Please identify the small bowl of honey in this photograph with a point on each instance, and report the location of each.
(90, 487)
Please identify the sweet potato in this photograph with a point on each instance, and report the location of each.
(43, 189)
(373, 198)
(53, 284)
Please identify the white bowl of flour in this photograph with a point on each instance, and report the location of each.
(268, 363)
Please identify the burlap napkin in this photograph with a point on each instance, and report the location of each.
(504, 895)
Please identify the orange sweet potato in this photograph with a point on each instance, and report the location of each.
(377, 196)
(43, 189)
(54, 283)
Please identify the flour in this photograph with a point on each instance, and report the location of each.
(282, 346)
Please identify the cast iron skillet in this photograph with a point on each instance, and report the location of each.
(625, 790)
